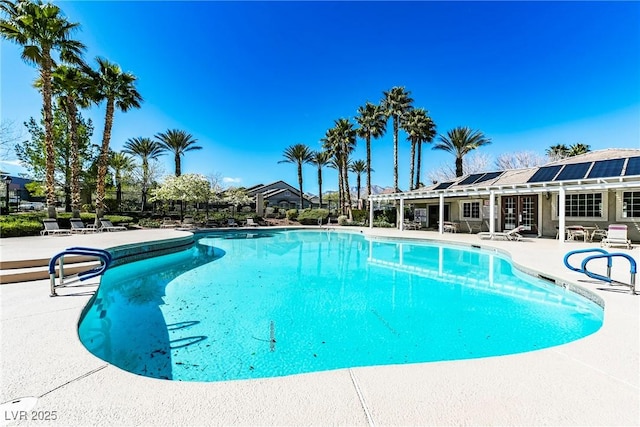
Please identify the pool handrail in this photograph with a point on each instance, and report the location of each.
(103, 255)
(632, 263)
(603, 254)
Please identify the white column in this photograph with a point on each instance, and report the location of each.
(561, 218)
(401, 214)
(441, 214)
(492, 212)
(371, 214)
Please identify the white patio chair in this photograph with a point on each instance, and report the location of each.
(616, 236)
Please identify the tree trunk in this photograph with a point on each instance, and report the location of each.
(50, 190)
(320, 185)
(178, 170)
(395, 154)
(458, 166)
(104, 159)
(418, 163)
(368, 172)
(345, 171)
(119, 195)
(75, 158)
(300, 185)
(413, 161)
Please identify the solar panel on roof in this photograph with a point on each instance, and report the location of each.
(470, 179)
(574, 171)
(545, 173)
(444, 185)
(633, 166)
(606, 168)
(488, 176)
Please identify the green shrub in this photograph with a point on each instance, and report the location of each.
(149, 223)
(311, 216)
(382, 224)
(359, 215)
(20, 228)
(292, 214)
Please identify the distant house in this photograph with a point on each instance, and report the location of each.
(279, 194)
(593, 189)
(17, 190)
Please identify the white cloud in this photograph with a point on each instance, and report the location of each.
(11, 162)
(229, 180)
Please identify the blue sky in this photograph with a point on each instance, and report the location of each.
(248, 79)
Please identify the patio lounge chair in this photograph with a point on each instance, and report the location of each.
(51, 227)
(599, 232)
(513, 234)
(77, 226)
(616, 236)
(410, 225)
(167, 222)
(231, 222)
(188, 222)
(475, 227)
(108, 226)
(251, 222)
(451, 227)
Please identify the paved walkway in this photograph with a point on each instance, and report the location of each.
(592, 381)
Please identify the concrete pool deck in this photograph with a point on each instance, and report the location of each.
(592, 381)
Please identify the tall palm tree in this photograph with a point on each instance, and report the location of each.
(419, 128)
(72, 86)
(459, 142)
(372, 123)
(331, 144)
(117, 88)
(41, 29)
(320, 159)
(396, 102)
(147, 149)
(178, 142)
(121, 165)
(298, 154)
(358, 167)
(347, 137)
(557, 152)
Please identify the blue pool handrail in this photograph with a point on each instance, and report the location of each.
(103, 255)
(609, 256)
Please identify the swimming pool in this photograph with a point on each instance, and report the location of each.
(265, 303)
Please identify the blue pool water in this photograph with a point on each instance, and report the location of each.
(271, 303)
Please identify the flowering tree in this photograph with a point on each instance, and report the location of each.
(236, 197)
(186, 188)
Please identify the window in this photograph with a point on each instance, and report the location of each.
(631, 204)
(471, 210)
(586, 205)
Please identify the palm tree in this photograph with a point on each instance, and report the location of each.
(358, 167)
(459, 142)
(341, 142)
(178, 142)
(117, 88)
(298, 154)
(147, 149)
(41, 29)
(372, 123)
(579, 148)
(557, 152)
(419, 128)
(121, 164)
(72, 87)
(320, 159)
(396, 102)
(331, 144)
